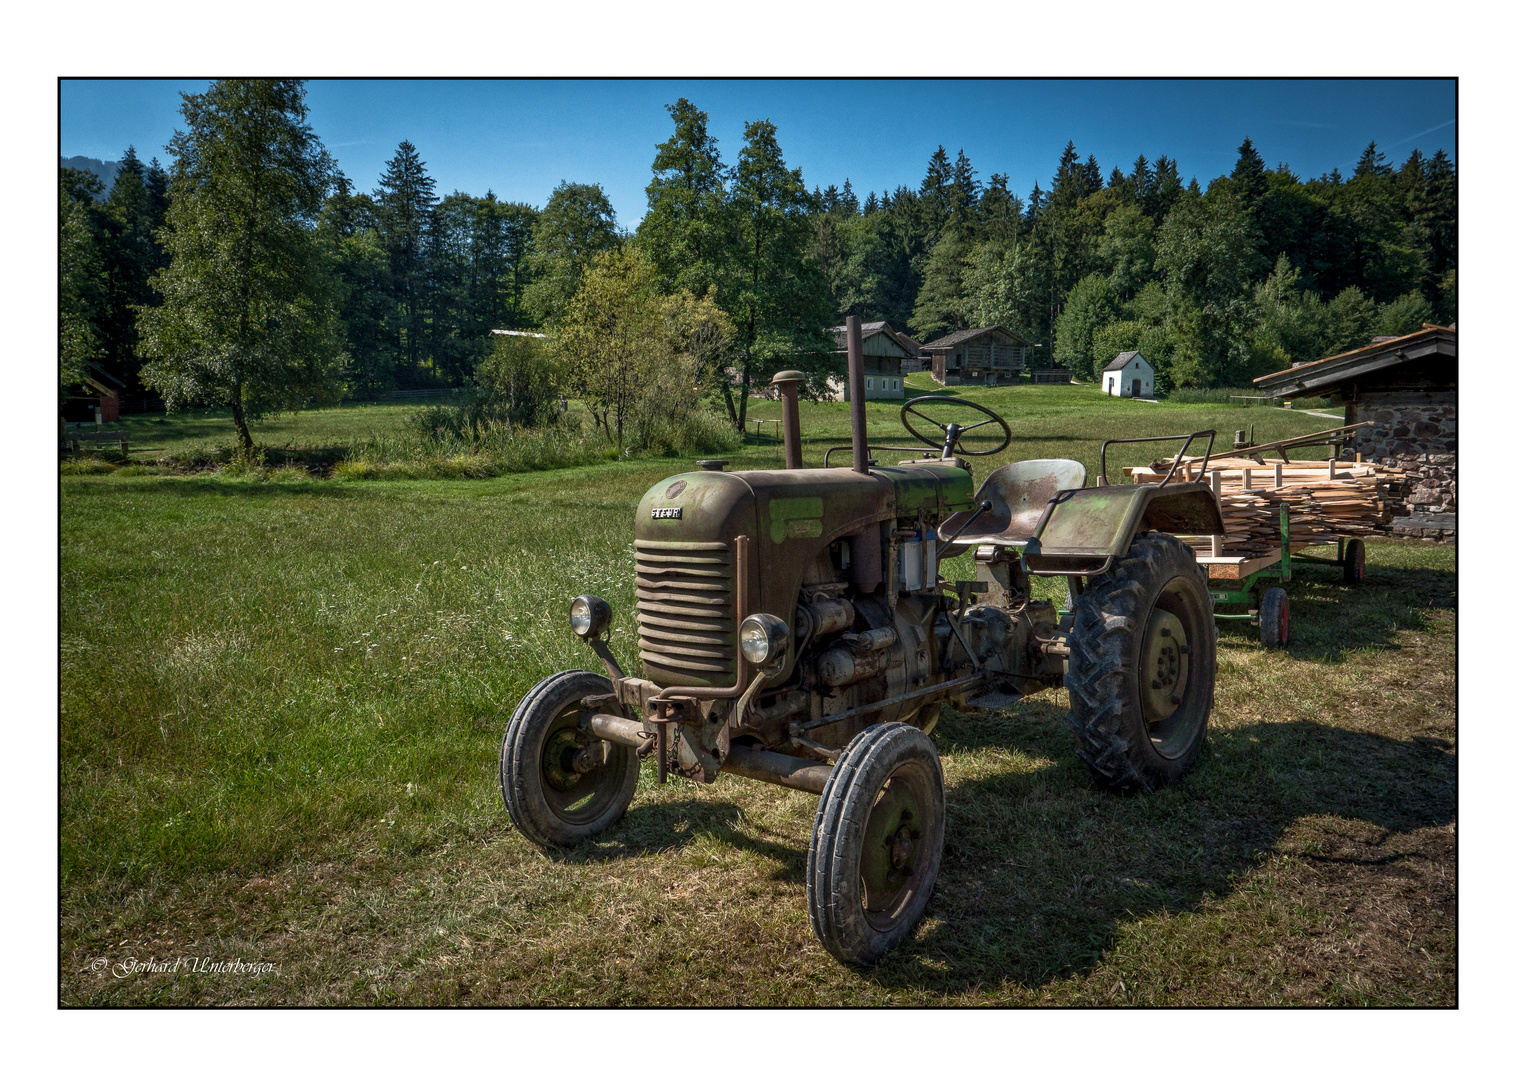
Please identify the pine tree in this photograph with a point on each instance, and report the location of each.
(1249, 174)
(780, 305)
(404, 201)
(933, 193)
(246, 317)
(848, 201)
(1372, 163)
(964, 192)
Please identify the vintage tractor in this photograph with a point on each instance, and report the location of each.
(793, 618)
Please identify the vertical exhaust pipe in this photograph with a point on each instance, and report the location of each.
(791, 421)
(857, 393)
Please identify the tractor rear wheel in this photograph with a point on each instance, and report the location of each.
(1142, 666)
(1355, 561)
(1276, 619)
(562, 785)
(876, 843)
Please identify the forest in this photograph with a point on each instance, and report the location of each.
(736, 269)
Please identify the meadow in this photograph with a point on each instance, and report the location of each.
(282, 697)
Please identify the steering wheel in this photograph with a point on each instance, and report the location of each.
(952, 431)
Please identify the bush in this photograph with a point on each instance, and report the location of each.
(86, 466)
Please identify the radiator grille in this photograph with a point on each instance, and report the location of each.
(686, 611)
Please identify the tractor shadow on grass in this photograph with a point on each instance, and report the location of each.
(661, 828)
(1040, 868)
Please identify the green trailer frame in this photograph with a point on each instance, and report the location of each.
(1244, 582)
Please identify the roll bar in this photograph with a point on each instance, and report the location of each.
(1102, 472)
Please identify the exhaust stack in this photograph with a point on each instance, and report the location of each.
(791, 422)
(857, 394)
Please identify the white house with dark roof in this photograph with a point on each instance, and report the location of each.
(1129, 375)
(884, 356)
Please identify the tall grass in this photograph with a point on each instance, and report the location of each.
(444, 443)
(1231, 395)
(431, 448)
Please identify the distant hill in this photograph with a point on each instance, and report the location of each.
(106, 170)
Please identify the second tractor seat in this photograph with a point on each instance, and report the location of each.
(1018, 493)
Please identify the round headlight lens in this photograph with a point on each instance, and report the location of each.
(762, 639)
(589, 616)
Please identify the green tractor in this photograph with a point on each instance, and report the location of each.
(793, 628)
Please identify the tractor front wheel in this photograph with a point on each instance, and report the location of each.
(876, 843)
(562, 785)
(1142, 666)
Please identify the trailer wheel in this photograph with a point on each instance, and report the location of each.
(1142, 666)
(876, 843)
(551, 792)
(1276, 619)
(1355, 561)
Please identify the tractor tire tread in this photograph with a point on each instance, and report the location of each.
(519, 775)
(833, 901)
(1110, 618)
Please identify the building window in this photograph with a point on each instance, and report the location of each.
(870, 384)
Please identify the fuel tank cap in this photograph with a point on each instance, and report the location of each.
(712, 464)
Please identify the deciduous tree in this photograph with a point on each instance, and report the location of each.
(246, 318)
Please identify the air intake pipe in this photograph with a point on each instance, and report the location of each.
(791, 422)
(857, 394)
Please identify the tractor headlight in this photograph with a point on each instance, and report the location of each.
(762, 639)
(589, 616)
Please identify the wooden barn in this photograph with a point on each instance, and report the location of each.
(1129, 375)
(989, 355)
(919, 360)
(884, 356)
(1406, 387)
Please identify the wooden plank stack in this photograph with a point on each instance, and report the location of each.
(1325, 500)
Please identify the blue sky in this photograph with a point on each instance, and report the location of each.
(521, 137)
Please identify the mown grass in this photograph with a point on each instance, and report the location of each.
(281, 704)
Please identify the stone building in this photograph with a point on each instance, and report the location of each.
(1406, 387)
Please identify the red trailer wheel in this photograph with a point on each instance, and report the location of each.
(1276, 619)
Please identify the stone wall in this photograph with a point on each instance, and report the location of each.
(1415, 432)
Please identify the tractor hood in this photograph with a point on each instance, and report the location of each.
(687, 524)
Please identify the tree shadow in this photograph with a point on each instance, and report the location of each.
(1040, 867)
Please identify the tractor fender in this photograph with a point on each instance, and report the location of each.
(1082, 531)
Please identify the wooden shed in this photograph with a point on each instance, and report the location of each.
(989, 355)
(884, 355)
(1129, 375)
(1406, 387)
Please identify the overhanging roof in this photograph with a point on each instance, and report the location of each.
(959, 337)
(1323, 376)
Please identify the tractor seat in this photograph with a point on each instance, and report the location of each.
(1018, 493)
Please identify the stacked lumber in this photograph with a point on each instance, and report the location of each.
(1325, 500)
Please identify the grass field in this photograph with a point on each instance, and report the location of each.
(282, 700)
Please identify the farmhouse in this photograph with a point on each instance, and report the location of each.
(1406, 387)
(1129, 375)
(990, 355)
(884, 355)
